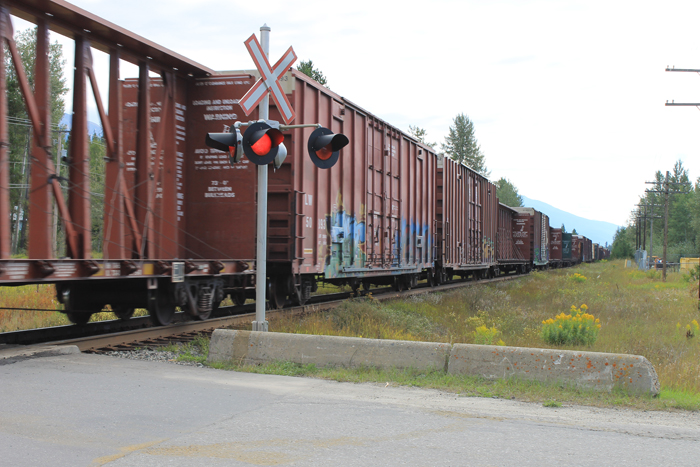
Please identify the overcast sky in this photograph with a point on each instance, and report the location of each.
(567, 97)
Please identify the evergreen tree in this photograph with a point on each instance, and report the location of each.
(420, 134)
(507, 193)
(622, 247)
(462, 146)
(20, 132)
(98, 150)
(312, 72)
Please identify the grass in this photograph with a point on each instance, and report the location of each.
(42, 297)
(552, 404)
(470, 386)
(30, 296)
(195, 350)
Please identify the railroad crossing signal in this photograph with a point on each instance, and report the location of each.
(263, 141)
(324, 147)
(228, 142)
(269, 82)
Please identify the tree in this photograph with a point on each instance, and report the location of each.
(98, 151)
(507, 193)
(573, 232)
(683, 214)
(420, 134)
(621, 247)
(312, 72)
(20, 136)
(462, 146)
(563, 228)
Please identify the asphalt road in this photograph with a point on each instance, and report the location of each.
(90, 410)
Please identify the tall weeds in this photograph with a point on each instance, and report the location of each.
(41, 297)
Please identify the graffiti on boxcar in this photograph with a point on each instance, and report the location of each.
(488, 250)
(347, 239)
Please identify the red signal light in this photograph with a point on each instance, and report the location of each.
(324, 153)
(324, 147)
(230, 142)
(262, 146)
(262, 142)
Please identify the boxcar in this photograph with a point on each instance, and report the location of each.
(588, 253)
(367, 220)
(531, 228)
(576, 248)
(555, 248)
(467, 219)
(566, 249)
(509, 255)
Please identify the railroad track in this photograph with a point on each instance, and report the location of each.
(137, 332)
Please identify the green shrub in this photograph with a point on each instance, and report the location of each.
(487, 336)
(577, 328)
(578, 277)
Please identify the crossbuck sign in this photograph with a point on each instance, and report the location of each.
(269, 81)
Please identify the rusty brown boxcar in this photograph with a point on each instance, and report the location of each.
(555, 247)
(509, 256)
(576, 249)
(368, 220)
(588, 250)
(468, 217)
(531, 230)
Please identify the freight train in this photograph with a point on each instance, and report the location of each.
(390, 212)
(179, 220)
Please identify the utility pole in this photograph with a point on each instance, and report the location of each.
(697, 105)
(644, 230)
(651, 217)
(648, 214)
(665, 223)
(666, 191)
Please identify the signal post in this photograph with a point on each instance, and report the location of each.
(262, 143)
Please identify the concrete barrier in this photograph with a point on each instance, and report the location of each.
(594, 370)
(250, 347)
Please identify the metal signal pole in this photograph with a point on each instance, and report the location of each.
(260, 323)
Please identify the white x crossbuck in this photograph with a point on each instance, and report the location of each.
(269, 81)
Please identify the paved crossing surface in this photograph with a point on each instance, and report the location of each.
(96, 410)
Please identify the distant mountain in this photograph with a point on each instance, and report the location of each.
(93, 128)
(598, 231)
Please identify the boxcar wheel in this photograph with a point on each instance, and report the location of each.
(123, 312)
(398, 284)
(78, 318)
(299, 299)
(276, 293)
(159, 309)
(238, 297)
(355, 286)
